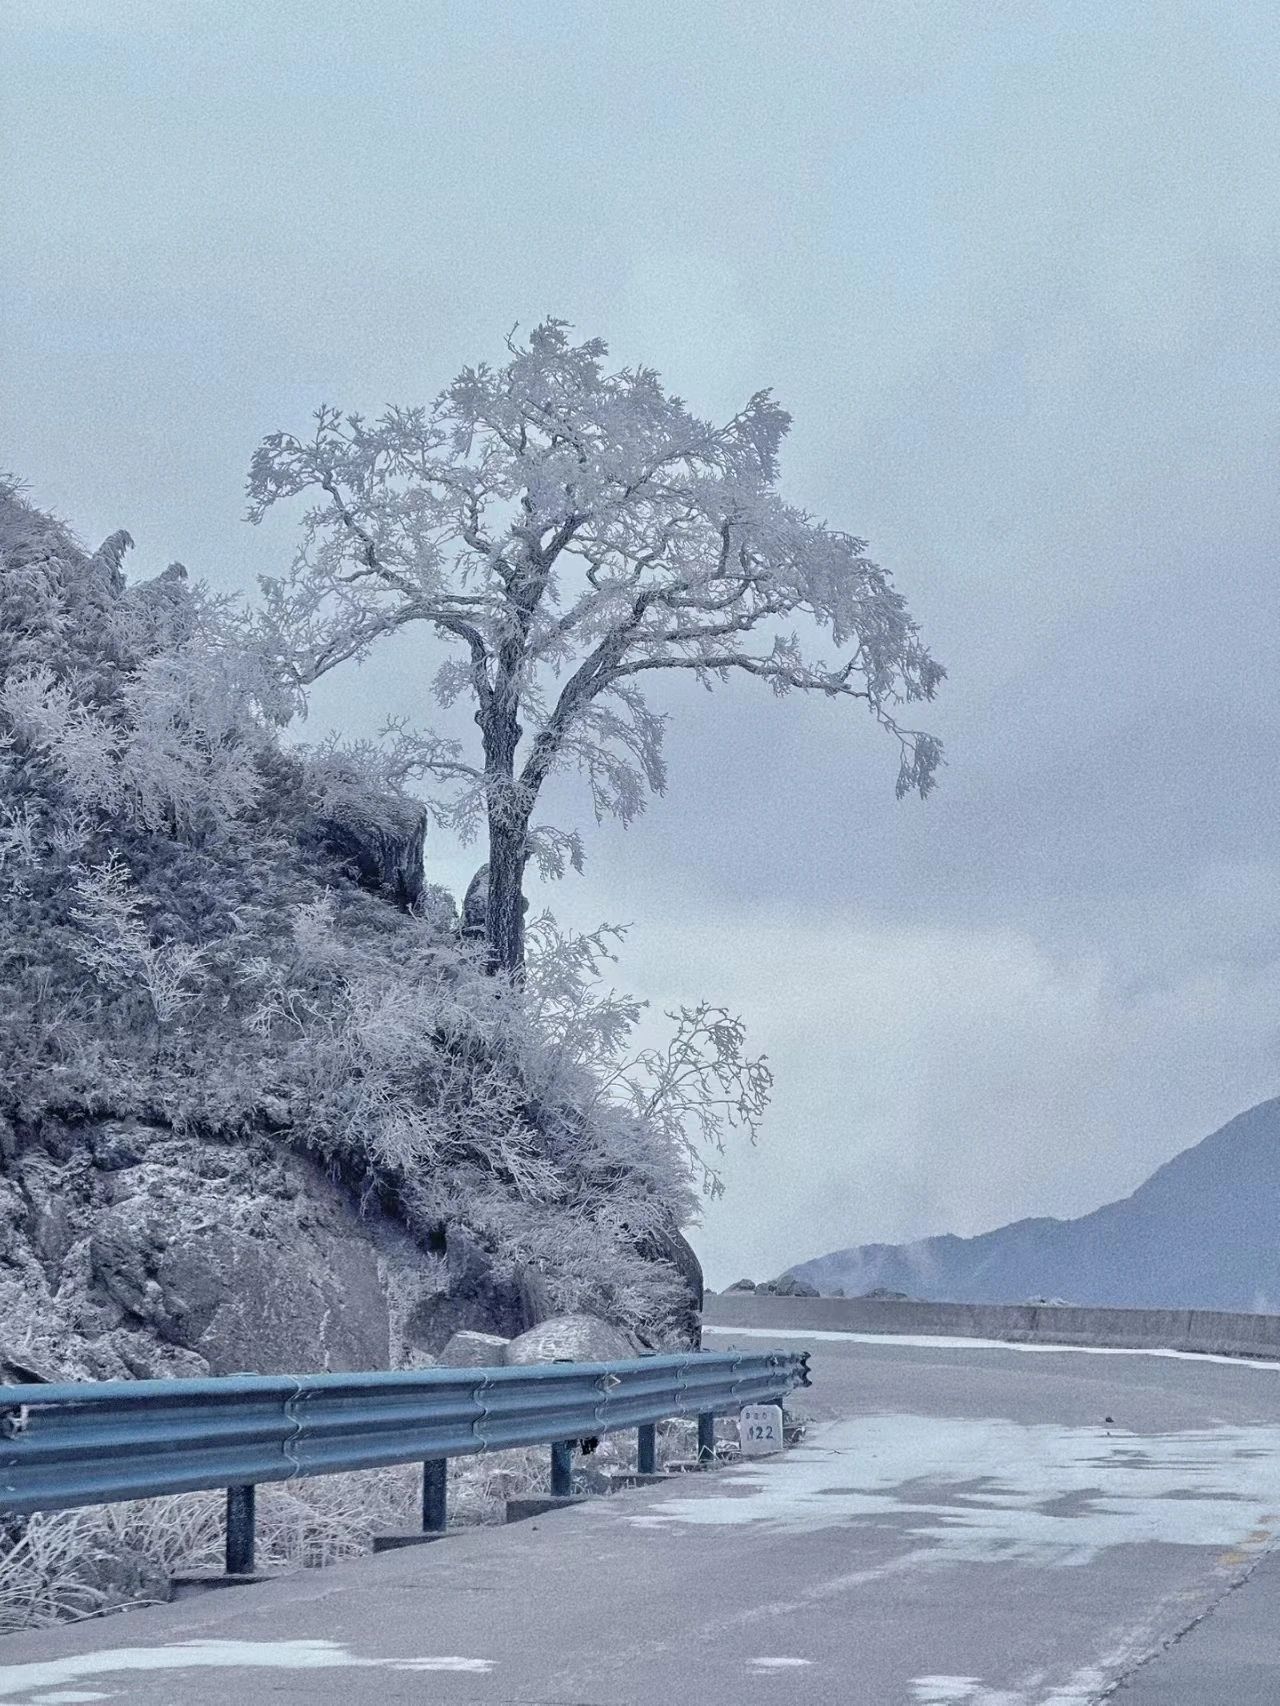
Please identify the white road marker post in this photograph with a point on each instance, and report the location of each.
(760, 1430)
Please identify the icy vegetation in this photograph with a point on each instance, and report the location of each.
(565, 530)
(237, 1024)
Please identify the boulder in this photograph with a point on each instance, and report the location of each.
(743, 1285)
(575, 1338)
(670, 1245)
(475, 906)
(787, 1285)
(477, 1296)
(385, 858)
(474, 1350)
(380, 838)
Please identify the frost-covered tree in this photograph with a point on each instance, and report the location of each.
(569, 529)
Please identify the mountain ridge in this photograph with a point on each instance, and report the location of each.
(1203, 1231)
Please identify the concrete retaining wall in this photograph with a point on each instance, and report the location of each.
(1205, 1330)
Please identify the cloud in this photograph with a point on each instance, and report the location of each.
(947, 1079)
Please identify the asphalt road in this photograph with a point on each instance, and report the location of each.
(965, 1527)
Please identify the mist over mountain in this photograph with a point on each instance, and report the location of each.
(1202, 1232)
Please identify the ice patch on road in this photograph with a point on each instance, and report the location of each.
(960, 1691)
(27, 1681)
(479, 1667)
(1085, 1688)
(68, 1697)
(952, 1342)
(964, 1489)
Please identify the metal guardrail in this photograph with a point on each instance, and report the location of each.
(96, 1443)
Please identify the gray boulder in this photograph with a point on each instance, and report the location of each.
(474, 1350)
(668, 1244)
(477, 1296)
(743, 1285)
(380, 838)
(475, 906)
(787, 1285)
(577, 1338)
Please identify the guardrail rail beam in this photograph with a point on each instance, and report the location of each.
(99, 1442)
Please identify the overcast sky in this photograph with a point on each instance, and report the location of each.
(1013, 269)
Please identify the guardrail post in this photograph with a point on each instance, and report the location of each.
(706, 1437)
(561, 1469)
(435, 1495)
(240, 1531)
(647, 1448)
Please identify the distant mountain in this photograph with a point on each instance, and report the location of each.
(1202, 1232)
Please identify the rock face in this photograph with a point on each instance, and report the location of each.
(579, 1338)
(132, 1252)
(143, 1254)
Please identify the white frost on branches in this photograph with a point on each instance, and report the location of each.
(569, 529)
(116, 946)
(176, 746)
(698, 1087)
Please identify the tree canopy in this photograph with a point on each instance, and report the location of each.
(570, 529)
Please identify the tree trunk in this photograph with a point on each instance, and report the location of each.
(508, 830)
(504, 915)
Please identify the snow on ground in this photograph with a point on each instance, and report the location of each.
(965, 1489)
(29, 1682)
(947, 1342)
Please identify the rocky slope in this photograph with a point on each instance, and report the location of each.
(1202, 1232)
(260, 1107)
(132, 1251)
